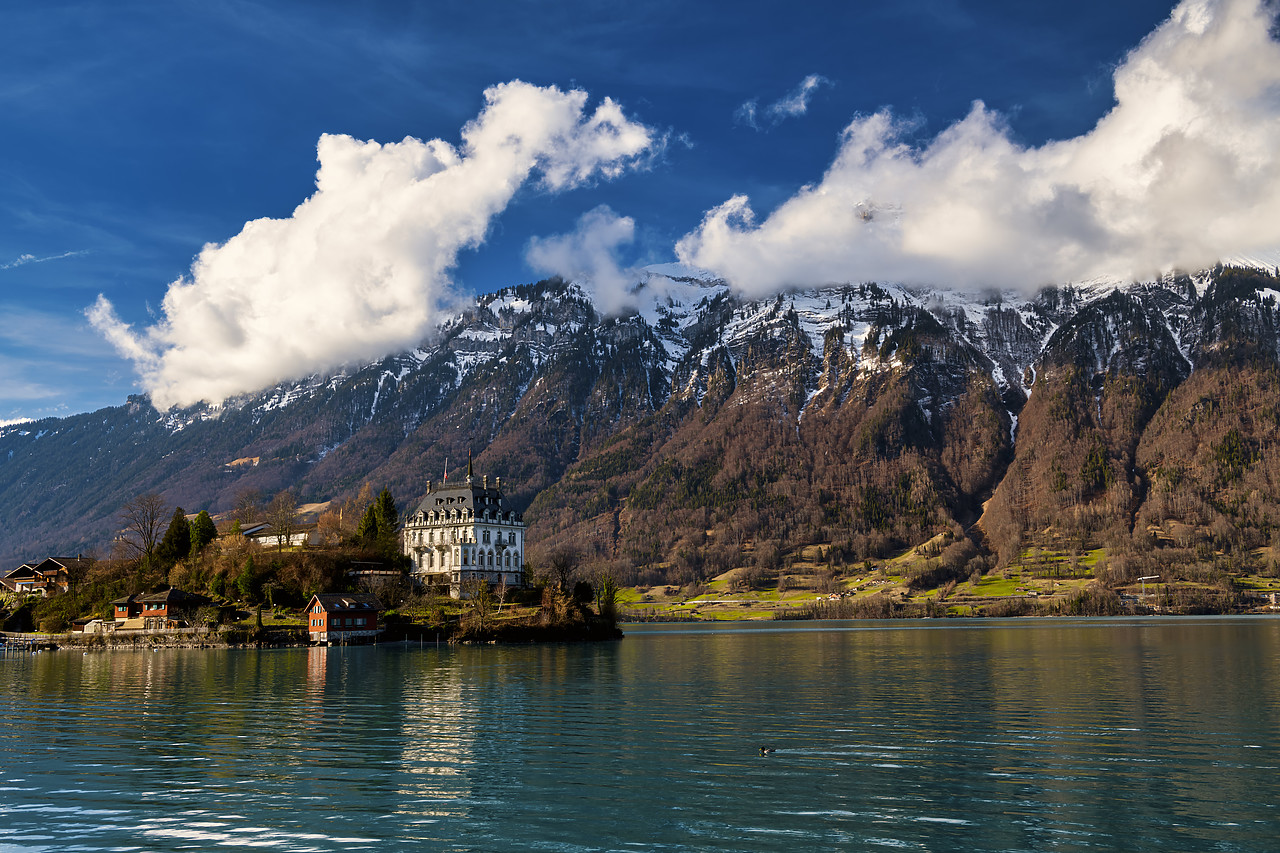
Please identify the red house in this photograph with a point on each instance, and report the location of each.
(338, 617)
(126, 608)
(157, 610)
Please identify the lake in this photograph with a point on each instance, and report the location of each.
(975, 735)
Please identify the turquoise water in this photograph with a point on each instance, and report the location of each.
(978, 735)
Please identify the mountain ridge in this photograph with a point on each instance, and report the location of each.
(904, 409)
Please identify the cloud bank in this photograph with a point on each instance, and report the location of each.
(795, 103)
(1184, 170)
(361, 267)
(588, 256)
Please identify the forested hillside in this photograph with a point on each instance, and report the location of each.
(705, 432)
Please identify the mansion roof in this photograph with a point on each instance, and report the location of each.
(472, 493)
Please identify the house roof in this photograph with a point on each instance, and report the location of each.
(65, 562)
(26, 570)
(173, 595)
(333, 602)
(268, 531)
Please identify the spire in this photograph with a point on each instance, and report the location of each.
(468, 466)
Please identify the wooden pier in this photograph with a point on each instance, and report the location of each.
(23, 643)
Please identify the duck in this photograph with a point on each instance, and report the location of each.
(766, 750)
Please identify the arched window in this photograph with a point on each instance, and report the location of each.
(464, 556)
(508, 561)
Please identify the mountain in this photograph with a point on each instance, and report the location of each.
(704, 430)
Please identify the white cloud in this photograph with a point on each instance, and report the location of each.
(794, 103)
(1184, 170)
(28, 258)
(361, 267)
(588, 256)
(746, 114)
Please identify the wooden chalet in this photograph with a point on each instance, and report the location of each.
(48, 577)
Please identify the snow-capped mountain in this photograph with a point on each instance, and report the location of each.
(879, 412)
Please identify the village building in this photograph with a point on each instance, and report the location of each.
(51, 575)
(298, 536)
(341, 617)
(463, 534)
(168, 609)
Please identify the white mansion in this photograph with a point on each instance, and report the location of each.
(461, 533)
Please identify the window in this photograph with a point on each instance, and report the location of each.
(486, 535)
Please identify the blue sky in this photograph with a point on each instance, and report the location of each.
(135, 133)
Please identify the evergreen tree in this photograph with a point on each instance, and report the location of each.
(245, 580)
(388, 521)
(176, 543)
(367, 530)
(203, 531)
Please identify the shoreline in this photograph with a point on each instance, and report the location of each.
(589, 631)
(20, 643)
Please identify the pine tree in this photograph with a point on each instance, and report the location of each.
(367, 530)
(176, 544)
(245, 580)
(388, 521)
(203, 531)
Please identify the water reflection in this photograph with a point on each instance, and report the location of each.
(1141, 734)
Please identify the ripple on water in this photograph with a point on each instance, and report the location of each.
(979, 740)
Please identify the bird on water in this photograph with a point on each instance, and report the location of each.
(766, 750)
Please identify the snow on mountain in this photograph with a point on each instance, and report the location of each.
(691, 313)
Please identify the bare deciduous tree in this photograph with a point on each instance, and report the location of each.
(248, 505)
(144, 520)
(283, 517)
(562, 563)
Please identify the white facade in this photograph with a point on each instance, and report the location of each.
(462, 533)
